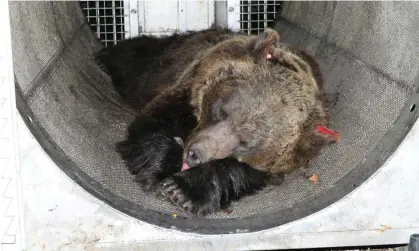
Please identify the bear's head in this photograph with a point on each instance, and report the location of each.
(249, 104)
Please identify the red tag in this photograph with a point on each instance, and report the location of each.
(185, 166)
(327, 131)
(268, 56)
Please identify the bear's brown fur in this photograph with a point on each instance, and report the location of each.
(277, 102)
(246, 107)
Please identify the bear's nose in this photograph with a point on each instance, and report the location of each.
(192, 158)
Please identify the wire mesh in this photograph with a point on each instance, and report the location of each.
(256, 16)
(106, 18)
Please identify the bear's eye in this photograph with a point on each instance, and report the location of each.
(223, 115)
(243, 147)
(218, 114)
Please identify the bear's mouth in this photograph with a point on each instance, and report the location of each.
(185, 166)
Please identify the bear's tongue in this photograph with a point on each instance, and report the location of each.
(185, 166)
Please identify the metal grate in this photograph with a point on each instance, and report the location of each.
(255, 16)
(106, 18)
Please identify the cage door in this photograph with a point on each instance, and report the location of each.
(163, 17)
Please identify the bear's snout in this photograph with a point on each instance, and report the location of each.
(214, 142)
(193, 158)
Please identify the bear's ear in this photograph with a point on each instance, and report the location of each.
(265, 41)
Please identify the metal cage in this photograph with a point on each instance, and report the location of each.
(255, 16)
(106, 18)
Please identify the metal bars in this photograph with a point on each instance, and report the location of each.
(106, 18)
(109, 18)
(255, 16)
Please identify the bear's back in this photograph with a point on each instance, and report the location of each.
(144, 66)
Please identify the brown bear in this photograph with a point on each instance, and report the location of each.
(220, 114)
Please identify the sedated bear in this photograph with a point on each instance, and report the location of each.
(220, 114)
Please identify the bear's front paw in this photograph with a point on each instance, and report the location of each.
(192, 200)
(151, 159)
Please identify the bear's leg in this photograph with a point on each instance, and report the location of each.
(212, 186)
(150, 153)
(152, 149)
